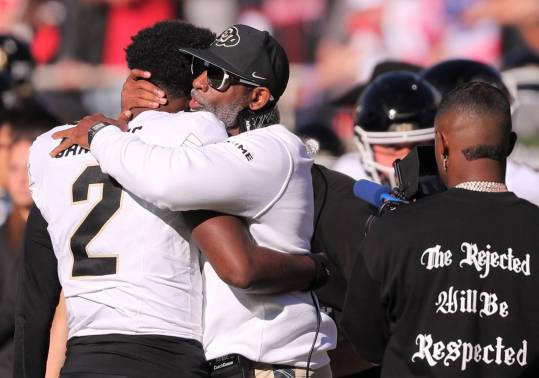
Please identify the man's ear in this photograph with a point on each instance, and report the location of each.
(258, 98)
(441, 142)
(512, 141)
(445, 145)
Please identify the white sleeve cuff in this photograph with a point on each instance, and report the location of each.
(103, 138)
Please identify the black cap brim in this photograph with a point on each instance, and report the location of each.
(348, 98)
(208, 56)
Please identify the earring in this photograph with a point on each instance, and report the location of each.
(444, 158)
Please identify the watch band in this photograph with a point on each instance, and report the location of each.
(94, 130)
(322, 272)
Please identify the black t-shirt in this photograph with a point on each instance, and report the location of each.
(340, 219)
(449, 287)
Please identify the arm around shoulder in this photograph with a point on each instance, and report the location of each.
(223, 177)
(239, 262)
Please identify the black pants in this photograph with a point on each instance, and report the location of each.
(84, 375)
(134, 356)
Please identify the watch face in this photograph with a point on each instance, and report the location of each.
(97, 127)
(94, 129)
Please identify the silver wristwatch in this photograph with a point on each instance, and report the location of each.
(94, 129)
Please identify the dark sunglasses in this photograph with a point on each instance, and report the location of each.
(218, 78)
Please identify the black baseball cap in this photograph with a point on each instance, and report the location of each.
(250, 54)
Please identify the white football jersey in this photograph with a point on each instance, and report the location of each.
(264, 176)
(125, 265)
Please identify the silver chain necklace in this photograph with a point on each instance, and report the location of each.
(483, 186)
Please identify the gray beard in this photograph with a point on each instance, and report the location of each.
(227, 113)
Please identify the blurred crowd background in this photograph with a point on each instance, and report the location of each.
(63, 59)
(77, 47)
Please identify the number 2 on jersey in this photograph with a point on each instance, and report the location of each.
(95, 221)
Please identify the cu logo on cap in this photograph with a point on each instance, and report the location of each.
(228, 38)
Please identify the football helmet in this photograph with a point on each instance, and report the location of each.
(451, 73)
(397, 108)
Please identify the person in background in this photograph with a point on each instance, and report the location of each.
(394, 113)
(345, 107)
(378, 151)
(22, 117)
(24, 128)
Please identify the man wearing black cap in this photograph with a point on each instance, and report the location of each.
(231, 60)
(262, 175)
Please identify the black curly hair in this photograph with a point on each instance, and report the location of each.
(155, 49)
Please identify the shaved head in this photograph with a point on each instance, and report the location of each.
(480, 117)
(473, 131)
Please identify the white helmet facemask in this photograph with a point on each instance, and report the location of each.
(365, 139)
